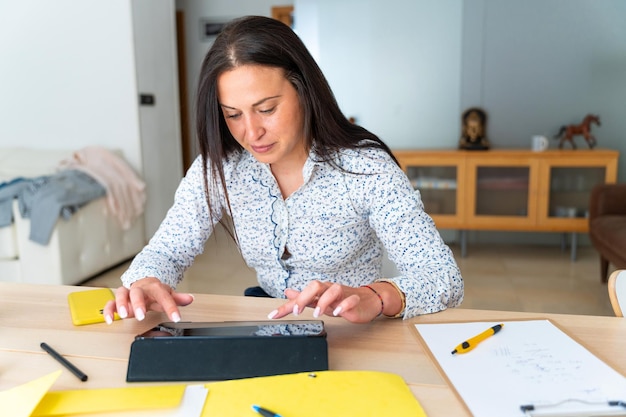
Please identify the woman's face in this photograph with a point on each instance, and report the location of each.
(263, 113)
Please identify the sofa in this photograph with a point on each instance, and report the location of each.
(607, 225)
(90, 241)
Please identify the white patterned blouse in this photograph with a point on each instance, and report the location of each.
(330, 229)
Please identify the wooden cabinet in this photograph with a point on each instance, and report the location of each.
(508, 189)
(440, 178)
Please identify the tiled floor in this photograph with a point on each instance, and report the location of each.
(497, 277)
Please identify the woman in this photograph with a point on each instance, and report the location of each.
(312, 197)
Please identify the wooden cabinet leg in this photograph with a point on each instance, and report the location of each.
(574, 247)
(463, 238)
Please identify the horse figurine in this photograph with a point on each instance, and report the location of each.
(584, 129)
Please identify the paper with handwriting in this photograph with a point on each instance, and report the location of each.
(530, 362)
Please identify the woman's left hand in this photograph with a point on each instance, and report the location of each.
(357, 305)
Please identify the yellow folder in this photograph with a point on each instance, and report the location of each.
(22, 400)
(326, 393)
(110, 400)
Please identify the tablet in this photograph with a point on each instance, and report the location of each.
(265, 328)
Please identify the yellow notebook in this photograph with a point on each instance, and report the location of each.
(86, 306)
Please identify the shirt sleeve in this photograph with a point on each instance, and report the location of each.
(181, 236)
(429, 275)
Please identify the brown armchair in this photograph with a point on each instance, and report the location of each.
(607, 225)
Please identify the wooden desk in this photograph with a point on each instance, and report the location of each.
(31, 314)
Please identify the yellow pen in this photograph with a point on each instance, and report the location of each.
(470, 344)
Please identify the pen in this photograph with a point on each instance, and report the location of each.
(530, 407)
(79, 374)
(264, 412)
(470, 344)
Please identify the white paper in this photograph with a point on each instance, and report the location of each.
(527, 362)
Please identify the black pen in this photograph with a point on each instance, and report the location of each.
(264, 412)
(56, 355)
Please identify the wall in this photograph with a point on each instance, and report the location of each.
(395, 65)
(67, 75)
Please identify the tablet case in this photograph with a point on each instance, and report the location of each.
(86, 306)
(207, 351)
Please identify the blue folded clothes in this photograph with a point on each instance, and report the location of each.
(45, 198)
(9, 190)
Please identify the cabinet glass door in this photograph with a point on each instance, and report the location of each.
(570, 188)
(502, 191)
(437, 186)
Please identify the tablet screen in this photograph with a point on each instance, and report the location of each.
(238, 329)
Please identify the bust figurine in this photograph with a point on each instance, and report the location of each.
(473, 135)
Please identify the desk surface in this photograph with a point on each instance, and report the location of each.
(31, 314)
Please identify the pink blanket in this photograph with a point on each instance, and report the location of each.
(126, 192)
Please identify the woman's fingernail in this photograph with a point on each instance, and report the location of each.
(272, 314)
(175, 317)
(108, 318)
(316, 312)
(122, 312)
(192, 297)
(337, 311)
(139, 314)
(295, 309)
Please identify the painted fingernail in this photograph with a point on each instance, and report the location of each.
(272, 314)
(175, 317)
(316, 312)
(337, 311)
(108, 318)
(139, 314)
(295, 310)
(122, 312)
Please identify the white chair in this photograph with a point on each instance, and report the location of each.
(617, 291)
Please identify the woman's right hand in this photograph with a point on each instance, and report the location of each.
(146, 294)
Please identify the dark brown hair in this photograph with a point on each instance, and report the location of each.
(256, 40)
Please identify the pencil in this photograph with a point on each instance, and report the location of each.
(471, 343)
(56, 355)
